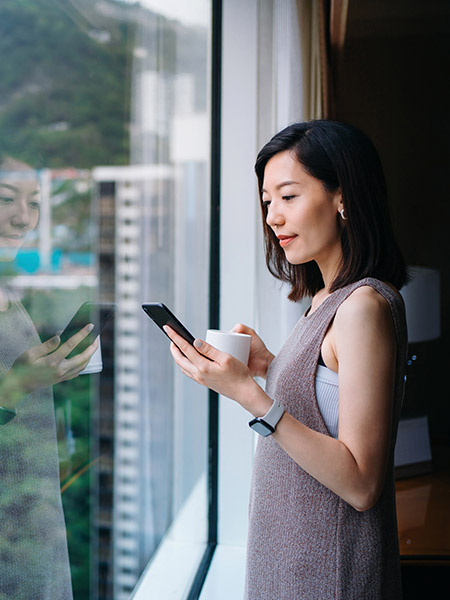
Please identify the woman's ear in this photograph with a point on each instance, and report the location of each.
(339, 204)
(338, 200)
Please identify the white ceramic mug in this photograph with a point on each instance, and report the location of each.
(95, 365)
(236, 344)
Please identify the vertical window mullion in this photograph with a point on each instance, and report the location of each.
(214, 293)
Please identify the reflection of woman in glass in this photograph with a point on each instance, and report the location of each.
(33, 548)
(322, 508)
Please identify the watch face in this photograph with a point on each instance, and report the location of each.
(261, 427)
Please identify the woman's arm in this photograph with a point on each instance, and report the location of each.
(363, 340)
(354, 465)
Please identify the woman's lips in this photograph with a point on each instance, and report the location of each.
(285, 239)
(12, 239)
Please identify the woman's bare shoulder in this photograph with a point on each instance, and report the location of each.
(364, 306)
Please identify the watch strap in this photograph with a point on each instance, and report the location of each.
(266, 425)
(274, 414)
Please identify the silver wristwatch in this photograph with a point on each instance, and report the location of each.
(266, 425)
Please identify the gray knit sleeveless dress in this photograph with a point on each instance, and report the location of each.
(305, 542)
(34, 559)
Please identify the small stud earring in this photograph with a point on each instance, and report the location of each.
(342, 214)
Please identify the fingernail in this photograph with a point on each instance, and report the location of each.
(90, 327)
(198, 343)
(166, 329)
(54, 340)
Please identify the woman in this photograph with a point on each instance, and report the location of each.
(322, 506)
(34, 560)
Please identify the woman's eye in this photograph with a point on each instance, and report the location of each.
(287, 198)
(6, 199)
(34, 205)
(266, 203)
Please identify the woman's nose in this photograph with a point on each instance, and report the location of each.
(274, 215)
(21, 214)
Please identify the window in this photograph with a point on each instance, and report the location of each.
(106, 106)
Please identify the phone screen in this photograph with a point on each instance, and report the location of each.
(161, 315)
(89, 312)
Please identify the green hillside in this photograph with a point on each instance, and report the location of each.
(65, 81)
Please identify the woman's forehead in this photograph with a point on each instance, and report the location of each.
(18, 184)
(284, 168)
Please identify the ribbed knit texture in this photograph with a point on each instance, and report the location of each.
(327, 396)
(305, 542)
(34, 561)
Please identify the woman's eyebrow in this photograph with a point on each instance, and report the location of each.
(9, 187)
(283, 184)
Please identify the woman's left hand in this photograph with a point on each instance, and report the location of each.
(214, 369)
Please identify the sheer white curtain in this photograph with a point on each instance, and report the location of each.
(291, 83)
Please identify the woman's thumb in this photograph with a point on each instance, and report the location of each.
(53, 342)
(205, 349)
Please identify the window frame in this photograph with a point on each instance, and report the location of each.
(214, 293)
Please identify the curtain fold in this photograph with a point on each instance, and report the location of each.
(338, 25)
(310, 58)
(337, 29)
(327, 104)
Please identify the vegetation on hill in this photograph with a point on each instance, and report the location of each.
(65, 82)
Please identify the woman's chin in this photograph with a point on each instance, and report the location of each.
(8, 254)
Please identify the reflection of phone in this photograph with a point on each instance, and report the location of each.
(89, 312)
(161, 315)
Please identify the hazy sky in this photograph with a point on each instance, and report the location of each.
(192, 12)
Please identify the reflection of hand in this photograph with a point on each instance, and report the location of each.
(260, 358)
(222, 373)
(45, 365)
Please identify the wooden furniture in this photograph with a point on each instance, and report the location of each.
(423, 514)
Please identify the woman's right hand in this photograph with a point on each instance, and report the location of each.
(44, 365)
(260, 358)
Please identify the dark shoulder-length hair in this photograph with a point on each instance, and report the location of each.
(340, 156)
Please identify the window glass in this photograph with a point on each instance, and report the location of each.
(104, 198)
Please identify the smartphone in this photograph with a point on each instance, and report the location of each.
(161, 315)
(98, 314)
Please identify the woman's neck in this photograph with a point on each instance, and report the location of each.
(329, 272)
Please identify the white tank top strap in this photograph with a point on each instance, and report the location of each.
(327, 395)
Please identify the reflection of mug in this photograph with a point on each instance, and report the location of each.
(236, 344)
(95, 365)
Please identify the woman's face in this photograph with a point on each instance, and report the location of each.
(301, 213)
(19, 212)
